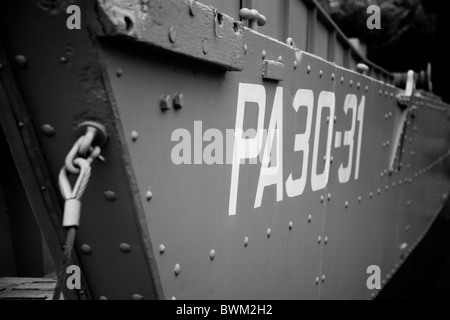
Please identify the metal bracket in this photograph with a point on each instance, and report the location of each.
(273, 70)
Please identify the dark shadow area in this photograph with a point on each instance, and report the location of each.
(425, 274)
(413, 33)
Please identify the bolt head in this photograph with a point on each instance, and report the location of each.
(165, 103)
(172, 34)
(21, 61)
(86, 249)
(177, 269)
(178, 101)
(125, 247)
(110, 195)
(48, 130)
(205, 46)
(137, 297)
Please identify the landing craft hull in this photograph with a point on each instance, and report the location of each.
(350, 190)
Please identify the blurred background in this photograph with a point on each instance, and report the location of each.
(413, 33)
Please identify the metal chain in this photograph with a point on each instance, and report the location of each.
(72, 196)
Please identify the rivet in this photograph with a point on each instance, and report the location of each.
(43, 188)
(367, 89)
(359, 199)
(178, 101)
(86, 249)
(191, 9)
(380, 92)
(134, 136)
(48, 130)
(177, 269)
(329, 197)
(246, 241)
(335, 119)
(320, 73)
(351, 83)
(326, 240)
(322, 198)
(319, 240)
(263, 54)
(323, 278)
(212, 254)
(172, 34)
(295, 65)
(371, 195)
(245, 48)
(309, 218)
(165, 102)
(119, 72)
(21, 124)
(328, 121)
(317, 280)
(342, 80)
(346, 204)
(124, 247)
(333, 76)
(149, 195)
(63, 60)
(162, 249)
(21, 61)
(205, 46)
(137, 297)
(291, 225)
(280, 59)
(358, 86)
(393, 185)
(110, 195)
(269, 233)
(386, 188)
(308, 69)
(379, 191)
(102, 298)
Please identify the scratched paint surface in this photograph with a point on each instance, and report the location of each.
(345, 210)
